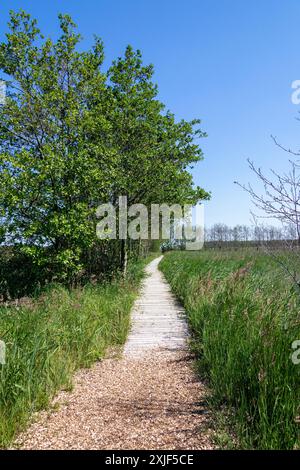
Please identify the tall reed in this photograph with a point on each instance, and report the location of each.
(54, 335)
(244, 315)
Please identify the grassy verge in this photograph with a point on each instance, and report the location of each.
(59, 332)
(244, 316)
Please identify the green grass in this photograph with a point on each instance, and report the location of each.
(244, 315)
(61, 331)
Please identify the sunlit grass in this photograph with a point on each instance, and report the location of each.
(245, 316)
(46, 342)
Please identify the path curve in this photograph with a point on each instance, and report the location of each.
(148, 399)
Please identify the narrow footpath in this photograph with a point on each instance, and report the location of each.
(149, 398)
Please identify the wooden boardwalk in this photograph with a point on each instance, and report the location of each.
(158, 321)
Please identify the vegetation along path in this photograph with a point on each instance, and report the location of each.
(150, 398)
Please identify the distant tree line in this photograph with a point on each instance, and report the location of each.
(223, 234)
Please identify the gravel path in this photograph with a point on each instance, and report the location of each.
(148, 399)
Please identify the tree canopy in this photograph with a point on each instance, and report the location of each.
(73, 135)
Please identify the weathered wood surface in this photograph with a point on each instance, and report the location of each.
(158, 320)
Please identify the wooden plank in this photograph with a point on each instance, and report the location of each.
(158, 320)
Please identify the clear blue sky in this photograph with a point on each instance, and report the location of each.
(229, 62)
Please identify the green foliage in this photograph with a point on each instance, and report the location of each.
(49, 338)
(18, 275)
(72, 136)
(244, 316)
(153, 150)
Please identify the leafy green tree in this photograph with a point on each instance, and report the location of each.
(52, 171)
(154, 152)
(72, 136)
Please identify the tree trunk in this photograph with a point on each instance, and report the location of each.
(124, 256)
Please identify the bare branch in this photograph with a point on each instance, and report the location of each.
(297, 154)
